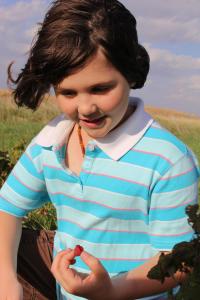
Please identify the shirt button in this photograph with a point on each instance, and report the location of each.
(91, 147)
(87, 165)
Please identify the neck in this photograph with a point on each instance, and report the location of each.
(130, 110)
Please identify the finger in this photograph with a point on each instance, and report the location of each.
(60, 268)
(94, 264)
(67, 260)
(65, 265)
(75, 252)
(58, 257)
(69, 278)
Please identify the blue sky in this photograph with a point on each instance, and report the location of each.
(168, 29)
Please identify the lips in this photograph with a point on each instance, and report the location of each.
(92, 120)
(92, 123)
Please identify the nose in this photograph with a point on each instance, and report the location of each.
(86, 105)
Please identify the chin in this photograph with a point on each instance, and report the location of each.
(97, 135)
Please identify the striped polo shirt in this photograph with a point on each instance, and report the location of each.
(127, 204)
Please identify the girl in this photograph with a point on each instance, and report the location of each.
(118, 180)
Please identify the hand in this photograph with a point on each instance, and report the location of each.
(96, 285)
(10, 289)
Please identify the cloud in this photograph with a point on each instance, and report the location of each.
(170, 32)
(17, 28)
(16, 23)
(173, 20)
(155, 8)
(31, 32)
(194, 83)
(21, 10)
(166, 62)
(173, 81)
(170, 29)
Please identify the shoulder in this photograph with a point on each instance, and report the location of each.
(165, 142)
(162, 150)
(44, 139)
(49, 135)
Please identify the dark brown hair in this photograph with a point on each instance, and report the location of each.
(71, 34)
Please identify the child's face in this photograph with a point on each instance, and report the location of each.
(96, 96)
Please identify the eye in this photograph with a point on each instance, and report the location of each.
(68, 93)
(101, 89)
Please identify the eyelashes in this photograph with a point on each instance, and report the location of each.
(94, 90)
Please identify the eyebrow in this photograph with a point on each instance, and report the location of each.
(98, 84)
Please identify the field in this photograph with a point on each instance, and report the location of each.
(18, 126)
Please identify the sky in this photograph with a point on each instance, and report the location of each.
(169, 30)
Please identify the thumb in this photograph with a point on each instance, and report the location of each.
(94, 264)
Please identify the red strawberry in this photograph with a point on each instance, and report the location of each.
(78, 250)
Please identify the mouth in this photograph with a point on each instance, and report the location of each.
(92, 120)
(92, 123)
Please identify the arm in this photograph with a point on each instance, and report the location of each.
(23, 191)
(10, 234)
(97, 285)
(135, 283)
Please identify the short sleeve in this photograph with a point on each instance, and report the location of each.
(25, 188)
(172, 193)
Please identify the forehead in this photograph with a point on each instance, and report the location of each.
(98, 69)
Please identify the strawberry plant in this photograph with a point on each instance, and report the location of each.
(184, 257)
(5, 166)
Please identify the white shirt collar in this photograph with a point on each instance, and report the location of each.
(115, 144)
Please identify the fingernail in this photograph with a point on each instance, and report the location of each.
(72, 262)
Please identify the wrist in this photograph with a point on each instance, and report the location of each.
(121, 287)
(109, 292)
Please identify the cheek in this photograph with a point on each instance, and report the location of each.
(116, 102)
(67, 107)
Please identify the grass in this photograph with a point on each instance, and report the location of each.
(20, 125)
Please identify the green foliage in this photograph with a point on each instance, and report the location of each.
(11, 135)
(42, 218)
(184, 257)
(5, 166)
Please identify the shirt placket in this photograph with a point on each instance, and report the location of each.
(90, 154)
